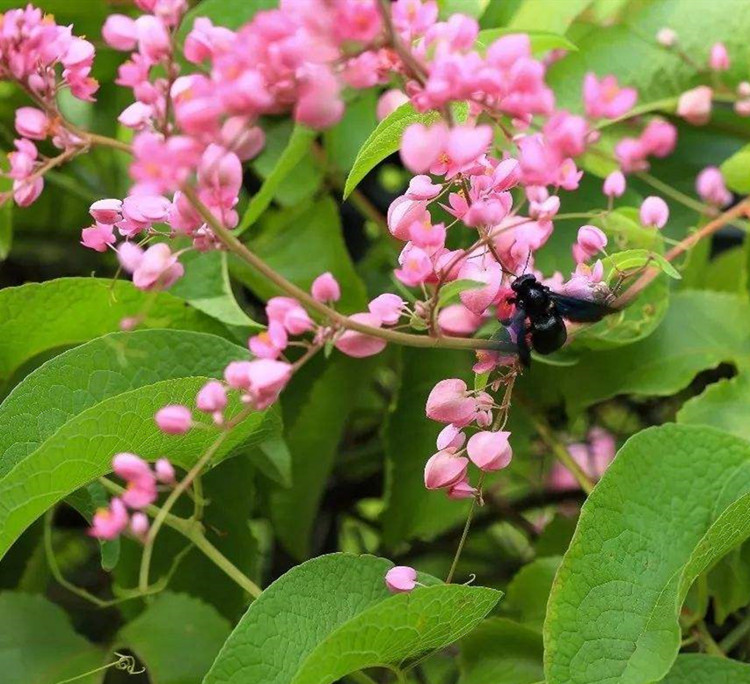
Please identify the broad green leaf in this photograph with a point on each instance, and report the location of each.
(736, 170)
(386, 138)
(728, 272)
(177, 638)
(541, 41)
(502, 652)
(674, 501)
(38, 644)
(344, 620)
(314, 429)
(102, 369)
(724, 404)
(695, 668)
(729, 583)
(38, 317)
(316, 229)
(206, 286)
(229, 13)
(273, 458)
(91, 425)
(630, 52)
(701, 330)
(472, 8)
(527, 593)
(342, 142)
(298, 147)
(409, 437)
(547, 15)
(229, 490)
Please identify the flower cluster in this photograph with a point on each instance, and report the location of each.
(141, 491)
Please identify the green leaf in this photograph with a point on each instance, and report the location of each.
(455, 288)
(736, 170)
(729, 583)
(724, 404)
(38, 644)
(274, 460)
(344, 620)
(177, 638)
(547, 15)
(317, 228)
(84, 413)
(673, 502)
(541, 41)
(386, 138)
(701, 330)
(229, 13)
(502, 652)
(342, 142)
(472, 8)
(409, 437)
(527, 593)
(206, 286)
(695, 668)
(313, 431)
(297, 148)
(630, 52)
(38, 317)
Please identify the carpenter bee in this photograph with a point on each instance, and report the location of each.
(540, 316)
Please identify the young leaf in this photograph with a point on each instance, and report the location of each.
(724, 404)
(672, 503)
(38, 643)
(528, 591)
(177, 638)
(386, 138)
(547, 15)
(38, 317)
(695, 668)
(344, 620)
(297, 147)
(502, 652)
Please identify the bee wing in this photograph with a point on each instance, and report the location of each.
(580, 310)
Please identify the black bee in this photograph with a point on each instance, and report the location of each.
(540, 314)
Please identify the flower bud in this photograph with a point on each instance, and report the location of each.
(32, 123)
(449, 402)
(174, 419)
(325, 288)
(490, 450)
(591, 241)
(139, 525)
(444, 469)
(719, 58)
(357, 344)
(666, 37)
(695, 105)
(654, 212)
(401, 579)
(614, 184)
(164, 471)
(120, 32)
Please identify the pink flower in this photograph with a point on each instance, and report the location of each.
(319, 104)
(719, 57)
(212, 398)
(631, 155)
(141, 489)
(416, 266)
(427, 235)
(32, 123)
(444, 469)
(146, 209)
(164, 471)
(659, 138)
(130, 256)
(174, 419)
(154, 42)
(242, 138)
(490, 450)
(404, 211)
(462, 490)
(290, 314)
(109, 523)
(206, 40)
(137, 116)
(654, 212)
(27, 191)
(387, 307)
(422, 188)
(591, 240)
(593, 458)
(265, 381)
(456, 319)
(450, 402)
(605, 98)
(695, 105)
(450, 437)
(139, 525)
(614, 184)
(237, 375)
(270, 343)
(107, 211)
(357, 344)
(120, 32)
(389, 102)
(466, 143)
(325, 288)
(479, 298)
(421, 146)
(401, 579)
(158, 268)
(711, 188)
(98, 237)
(666, 37)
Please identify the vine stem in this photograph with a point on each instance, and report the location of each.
(736, 635)
(193, 531)
(465, 533)
(680, 248)
(234, 245)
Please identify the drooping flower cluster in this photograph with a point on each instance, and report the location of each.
(141, 491)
